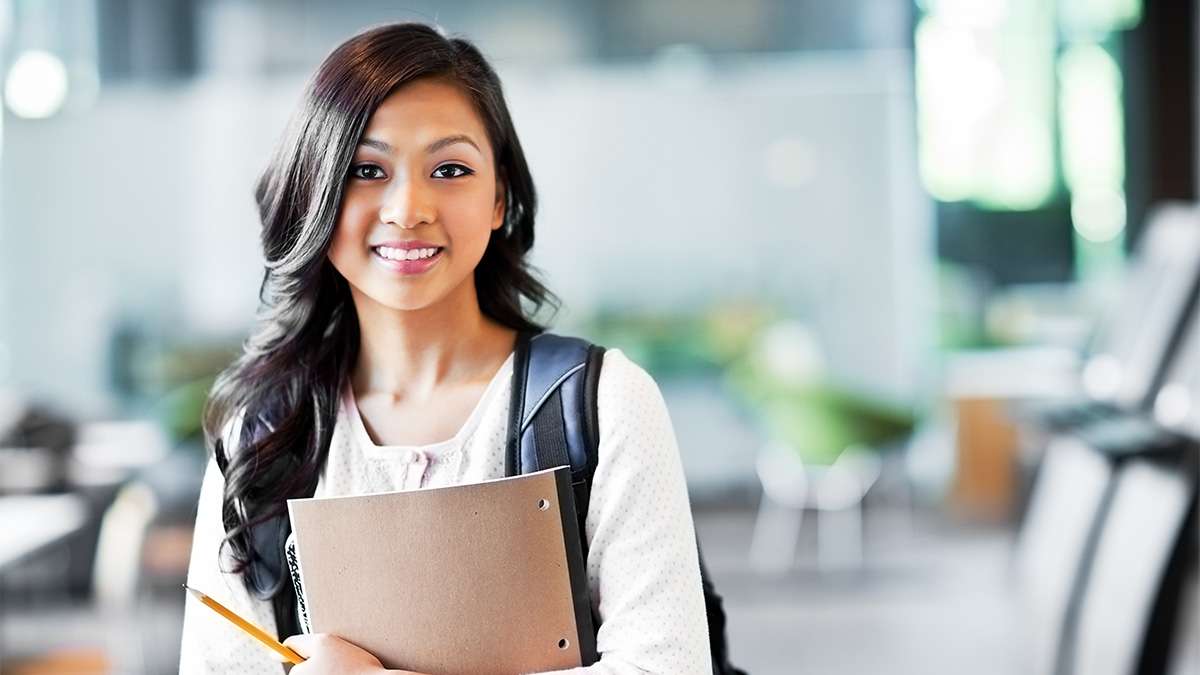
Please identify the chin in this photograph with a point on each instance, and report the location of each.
(404, 302)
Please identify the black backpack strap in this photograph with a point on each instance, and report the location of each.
(553, 422)
(552, 415)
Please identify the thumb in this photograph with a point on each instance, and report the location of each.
(301, 644)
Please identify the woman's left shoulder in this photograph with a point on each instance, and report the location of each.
(635, 425)
(625, 388)
(619, 372)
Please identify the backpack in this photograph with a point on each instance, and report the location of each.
(552, 422)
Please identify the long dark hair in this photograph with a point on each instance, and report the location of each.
(284, 387)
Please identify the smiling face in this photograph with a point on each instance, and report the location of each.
(420, 200)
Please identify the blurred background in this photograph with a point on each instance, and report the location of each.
(916, 280)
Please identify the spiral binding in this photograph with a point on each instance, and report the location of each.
(294, 566)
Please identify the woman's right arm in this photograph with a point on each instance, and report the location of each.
(210, 643)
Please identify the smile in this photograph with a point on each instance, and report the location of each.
(406, 254)
(407, 261)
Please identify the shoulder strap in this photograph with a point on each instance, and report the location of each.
(553, 413)
(553, 421)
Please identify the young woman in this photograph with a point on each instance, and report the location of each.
(396, 216)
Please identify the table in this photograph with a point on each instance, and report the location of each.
(30, 524)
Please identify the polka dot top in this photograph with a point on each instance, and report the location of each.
(642, 566)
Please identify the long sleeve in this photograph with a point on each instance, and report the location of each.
(211, 644)
(643, 566)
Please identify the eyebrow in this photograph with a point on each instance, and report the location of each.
(433, 147)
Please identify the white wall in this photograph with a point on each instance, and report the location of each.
(658, 190)
(141, 207)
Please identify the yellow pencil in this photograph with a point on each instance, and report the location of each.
(245, 625)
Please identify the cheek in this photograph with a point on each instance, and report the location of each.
(348, 236)
(354, 214)
(469, 221)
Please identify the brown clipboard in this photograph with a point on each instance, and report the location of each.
(479, 578)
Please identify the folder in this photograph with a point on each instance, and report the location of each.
(480, 578)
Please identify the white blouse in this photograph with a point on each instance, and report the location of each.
(642, 566)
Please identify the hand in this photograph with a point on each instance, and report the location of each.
(327, 654)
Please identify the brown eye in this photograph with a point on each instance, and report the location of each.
(452, 171)
(367, 172)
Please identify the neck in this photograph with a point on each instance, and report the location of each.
(405, 353)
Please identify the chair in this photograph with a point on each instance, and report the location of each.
(835, 492)
(1068, 497)
(1136, 339)
(117, 573)
(1128, 608)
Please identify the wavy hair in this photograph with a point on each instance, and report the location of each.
(282, 390)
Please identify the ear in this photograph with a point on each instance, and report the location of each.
(499, 208)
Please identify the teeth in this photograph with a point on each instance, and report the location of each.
(402, 254)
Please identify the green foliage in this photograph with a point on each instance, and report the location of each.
(180, 409)
(815, 417)
(818, 419)
(682, 343)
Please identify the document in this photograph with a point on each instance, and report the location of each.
(480, 578)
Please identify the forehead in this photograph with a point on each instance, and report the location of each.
(425, 110)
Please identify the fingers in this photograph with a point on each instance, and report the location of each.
(304, 645)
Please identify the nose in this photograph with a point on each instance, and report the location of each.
(407, 203)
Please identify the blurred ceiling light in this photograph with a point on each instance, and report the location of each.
(791, 162)
(984, 85)
(1098, 214)
(36, 86)
(947, 61)
(1092, 122)
(1021, 168)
